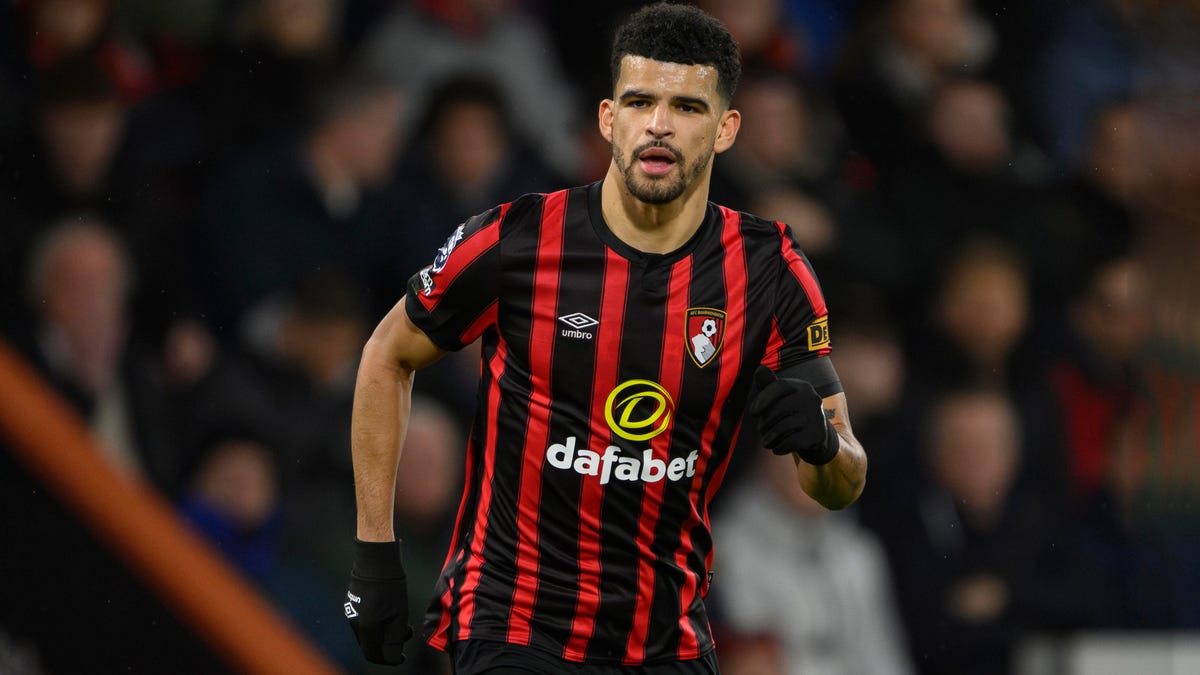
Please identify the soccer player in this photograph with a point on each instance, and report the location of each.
(624, 325)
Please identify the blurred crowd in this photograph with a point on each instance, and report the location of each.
(205, 206)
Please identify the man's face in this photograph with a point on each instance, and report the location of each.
(664, 124)
(82, 139)
(371, 136)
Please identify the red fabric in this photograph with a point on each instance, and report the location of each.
(1090, 413)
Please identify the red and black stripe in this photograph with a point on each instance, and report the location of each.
(550, 557)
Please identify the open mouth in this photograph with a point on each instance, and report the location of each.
(657, 161)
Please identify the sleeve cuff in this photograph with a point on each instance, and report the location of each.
(377, 559)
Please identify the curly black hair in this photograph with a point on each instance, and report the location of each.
(679, 34)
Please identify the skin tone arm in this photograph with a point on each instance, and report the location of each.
(837, 484)
(382, 398)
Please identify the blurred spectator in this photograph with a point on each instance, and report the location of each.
(1087, 218)
(178, 37)
(307, 363)
(319, 333)
(980, 337)
(983, 312)
(973, 562)
(67, 161)
(783, 164)
(58, 30)
(1024, 32)
(580, 31)
(428, 484)
(428, 41)
(1157, 476)
(765, 34)
(429, 478)
(293, 372)
(234, 496)
(905, 50)
(799, 589)
(311, 203)
(1129, 554)
(467, 158)
(1113, 163)
(1095, 380)
(79, 282)
(1091, 62)
(874, 372)
(968, 124)
(76, 158)
(260, 79)
(823, 24)
(969, 178)
(81, 126)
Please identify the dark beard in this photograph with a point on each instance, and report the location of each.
(658, 190)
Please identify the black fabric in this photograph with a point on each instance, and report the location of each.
(820, 373)
(487, 657)
(377, 601)
(791, 418)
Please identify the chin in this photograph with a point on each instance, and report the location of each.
(660, 195)
(657, 190)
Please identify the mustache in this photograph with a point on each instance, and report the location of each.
(659, 144)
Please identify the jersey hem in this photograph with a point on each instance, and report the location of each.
(444, 643)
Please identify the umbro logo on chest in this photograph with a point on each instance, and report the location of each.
(577, 326)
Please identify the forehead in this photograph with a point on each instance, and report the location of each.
(667, 78)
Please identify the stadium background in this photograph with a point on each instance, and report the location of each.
(206, 204)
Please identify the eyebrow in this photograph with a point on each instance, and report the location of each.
(690, 100)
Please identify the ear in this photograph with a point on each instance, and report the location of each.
(731, 121)
(606, 119)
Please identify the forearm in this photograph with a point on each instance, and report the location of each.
(837, 484)
(382, 398)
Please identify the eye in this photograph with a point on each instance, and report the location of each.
(638, 103)
(688, 108)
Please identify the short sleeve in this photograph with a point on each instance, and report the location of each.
(453, 300)
(799, 318)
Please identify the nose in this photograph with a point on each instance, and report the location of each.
(659, 124)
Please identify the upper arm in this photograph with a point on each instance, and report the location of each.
(398, 342)
(455, 299)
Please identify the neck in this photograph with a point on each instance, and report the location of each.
(652, 228)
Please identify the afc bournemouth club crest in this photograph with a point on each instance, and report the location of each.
(705, 331)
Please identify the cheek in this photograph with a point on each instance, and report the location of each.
(700, 147)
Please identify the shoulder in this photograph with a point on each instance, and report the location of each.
(505, 217)
(752, 226)
(768, 244)
(529, 209)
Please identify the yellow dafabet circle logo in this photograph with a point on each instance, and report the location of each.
(638, 410)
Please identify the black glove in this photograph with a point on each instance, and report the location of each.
(377, 602)
(791, 418)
